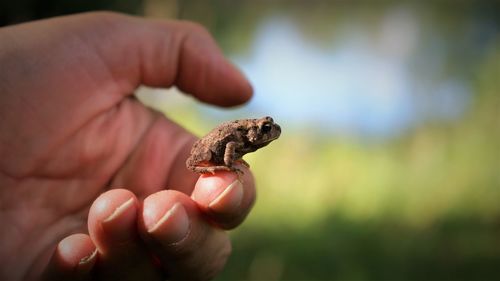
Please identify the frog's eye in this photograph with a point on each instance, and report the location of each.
(266, 128)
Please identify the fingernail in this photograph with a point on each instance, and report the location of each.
(120, 210)
(120, 225)
(86, 263)
(173, 227)
(229, 199)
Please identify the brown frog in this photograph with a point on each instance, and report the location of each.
(224, 146)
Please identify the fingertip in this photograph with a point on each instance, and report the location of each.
(224, 84)
(236, 88)
(165, 216)
(112, 218)
(209, 187)
(106, 206)
(77, 250)
(73, 259)
(225, 197)
(205, 73)
(186, 245)
(113, 229)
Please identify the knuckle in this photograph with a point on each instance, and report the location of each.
(219, 261)
(105, 21)
(105, 15)
(202, 259)
(196, 33)
(196, 28)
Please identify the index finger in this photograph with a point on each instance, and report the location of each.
(225, 197)
(163, 53)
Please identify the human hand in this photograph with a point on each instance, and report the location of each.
(70, 131)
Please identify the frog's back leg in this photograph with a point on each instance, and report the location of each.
(210, 169)
(198, 157)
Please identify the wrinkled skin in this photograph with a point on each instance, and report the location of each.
(222, 148)
(93, 183)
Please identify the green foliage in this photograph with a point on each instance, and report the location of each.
(424, 206)
(421, 207)
(339, 248)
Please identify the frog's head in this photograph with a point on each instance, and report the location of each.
(263, 131)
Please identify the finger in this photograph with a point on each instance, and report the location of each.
(113, 228)
(225, 197)
(184, 54)
(188, 247)
(163, 53)
(73, 259)
(110, 54)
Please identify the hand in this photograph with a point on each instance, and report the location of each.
(71, 133)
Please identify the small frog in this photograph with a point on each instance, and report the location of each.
(224, 146)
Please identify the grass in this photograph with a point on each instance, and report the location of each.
(421, 207)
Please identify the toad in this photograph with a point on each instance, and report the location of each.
(226, 144)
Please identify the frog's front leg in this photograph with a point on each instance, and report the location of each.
(229, 153)
(230, 156)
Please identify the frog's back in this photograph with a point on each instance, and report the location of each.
(211, 147)
(217, 139)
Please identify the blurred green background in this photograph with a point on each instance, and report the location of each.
(388, 167)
